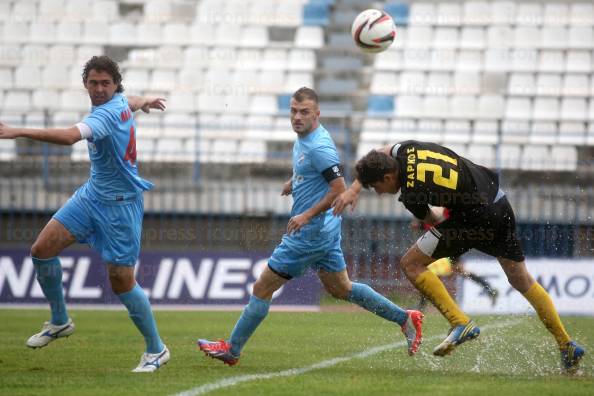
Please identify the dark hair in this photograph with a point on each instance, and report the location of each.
(106, 64)
(373, 167)
(305, 93)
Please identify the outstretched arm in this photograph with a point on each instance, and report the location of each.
(337, 187)
(63, 136)
(146, 103)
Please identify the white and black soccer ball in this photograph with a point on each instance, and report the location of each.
(373, 30)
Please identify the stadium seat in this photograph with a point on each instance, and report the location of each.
(553, 37)
(16, 32)
(169, 57)
(43, 32)
(439, 83)
(497, 60)
(55, 77)
(254, 36)
(309, 37)
(422, 14)
(518, 108)
(419, 59)
(551, 61)
(572, 133)
(576, 85)
(156, 11)
(69, 33)
(65, 119)
(259, 127)
(482, 154)
(302, 60)
(535, 158)
(463, 106)
(526, 37)
(491, 107)
(27, 77)
(573, 109)
(582, 14)
(469, 60)
(288, 14)
(548, 85)
(145, 148)
(61, 55)
(564, 158)
(578, 62)
(472, 38)
(509, 156)
(5, 11)
(500, 37)
(296, 80)
(179, 125)
(182, 101)
(430, 130)
(517, 132)
(412, 82)
(419, 36)
(380, 105)
(529, 14)
(6, 80)
(270, 81)
(150, 34)
(122, 34)
(176, 34)
(524, 60)
(251, 151)
(163, 80)
(237, 103)
(522, 84)
(456, 132)
(476, 13)
(263, 104)
(316, 14)
(389, 60)
(202, 33)
(105, 10)
(399, 12)
(75, 100)
(445, 37)
(448, 14)
(467, 83)
(95, 32)
(51, 10)
(556, 14)
(274, 59)
(436, 107)
(137, 78)
(546, 109)
(485, 132)
(170, 150)
(543, 133)
(8, 151)
(581, 37)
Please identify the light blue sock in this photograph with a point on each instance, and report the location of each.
(253, 314)
(139, 309)
(365, 297)
(49, 276)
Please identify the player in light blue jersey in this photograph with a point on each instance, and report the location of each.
(312, 239)
(106, 212)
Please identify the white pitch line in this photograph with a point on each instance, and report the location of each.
(232, 381)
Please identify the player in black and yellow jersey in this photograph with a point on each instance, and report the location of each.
(429, 175)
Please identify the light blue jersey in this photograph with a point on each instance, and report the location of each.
(317, 244)
(106, 212)
(312, 155)
(112, 150)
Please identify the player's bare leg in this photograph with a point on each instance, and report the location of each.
(521, 280)
(414, 263)
(228, 351)
(340, 286)
(52, 240)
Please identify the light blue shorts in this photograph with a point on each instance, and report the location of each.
(294, 255)
(112, 228)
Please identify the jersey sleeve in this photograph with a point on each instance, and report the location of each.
(418, 210)
(324, 158)
(100, 122)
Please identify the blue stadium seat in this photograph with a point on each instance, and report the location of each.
(316, 14)
(399, 12)
(380, 105)
(284, 103)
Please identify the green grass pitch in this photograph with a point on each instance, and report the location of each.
(327, 353)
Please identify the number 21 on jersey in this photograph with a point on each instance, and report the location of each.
(439, 179)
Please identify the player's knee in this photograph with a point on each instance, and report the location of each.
(339, 291)
(39, 250)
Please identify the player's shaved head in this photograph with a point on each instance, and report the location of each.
(373, 167)
(305, 93)
(104, 63)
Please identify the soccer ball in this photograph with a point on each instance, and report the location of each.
(373, 30)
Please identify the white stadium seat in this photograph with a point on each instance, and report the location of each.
(543, 133)
(309, 37)
(546, 109)
(556, 14)
(536, 158)
(564, 158)
(572, 133)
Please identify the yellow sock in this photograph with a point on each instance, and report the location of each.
(430, 285)
(543, 305)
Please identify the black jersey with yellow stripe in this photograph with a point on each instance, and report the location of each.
(434, 175)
